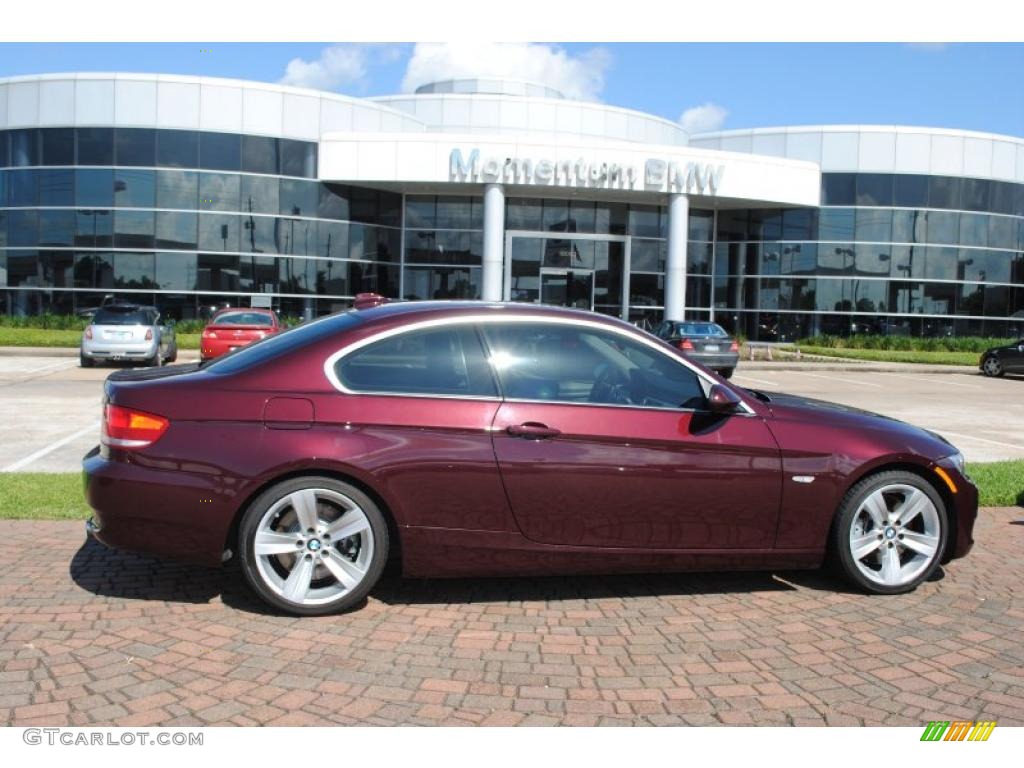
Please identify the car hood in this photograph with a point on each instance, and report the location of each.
(843, 417)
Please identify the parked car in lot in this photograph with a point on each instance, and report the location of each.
(470, 439)
(232, 328)
(1002, 360)
(128, 332)
(707, 343)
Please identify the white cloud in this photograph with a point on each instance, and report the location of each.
(578, 77)
(336, 67)
(706, 117)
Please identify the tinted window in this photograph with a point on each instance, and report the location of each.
(220, 233)
(177, 149)
(943, 192)
(177, 189)
(299, 198)
(57, 228)
(259, 154)
(220, 151)
(244, 318)
(874, 189)
(123, 317)
(911, 191)
(95, 146)
(219, 191)
(94, 228)
(282, 343)
(134, 189)
(838, 188)
(564, 363)
(699, 329)
(57, 187)
(23, 227)
(135, 146)
(975, 194)
(176, 229)
(836, 224)
(260, 194)
(57, 146)
(24, 148)
(298, 158)
(94, 188)
(445, 361)
(22, 188)
(133, 229)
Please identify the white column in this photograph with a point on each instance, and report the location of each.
(675, 263)
(494, 242)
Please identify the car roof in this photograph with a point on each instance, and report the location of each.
(404, 312)
(260, 310)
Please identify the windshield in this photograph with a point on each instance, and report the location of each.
(700, 329)
(124, 317)
(281, 343)
(244, 318)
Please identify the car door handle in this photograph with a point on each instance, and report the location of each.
(533, 430)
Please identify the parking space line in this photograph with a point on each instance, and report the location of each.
(919, 380)
(49, 449)
(51, 366)
(837, 378)
(756, 381)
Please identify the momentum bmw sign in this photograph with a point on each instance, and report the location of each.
(656, 174)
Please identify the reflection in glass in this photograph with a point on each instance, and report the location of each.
(220, 151)
(838, 188)
(219, 191)
(57, 228)
(94, 188)
(874, 189)
(134, 229)
(259, 154)
(57, 187)
(974, 229)
(134, 189)
(220, 232)
(135, 146)
(94, 228)
(177, 189)
(217, 272)
(911, 191)
(24, 147)
(260, 194)
(176, 271)
(134, 271)
(442, 283)
(443, 247)
(94, 270)
(177, 149)
(95, 146)
(836, 224)
(943, 227)
(22, 188)
(57, 146)
(298, 158)
(22, 228)
(299, 198)
(520, 213)
(176, 230)
(873, 225)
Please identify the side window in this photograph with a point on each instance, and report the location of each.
(575, 364)
(444, 361)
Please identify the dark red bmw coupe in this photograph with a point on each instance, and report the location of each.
(472, 439)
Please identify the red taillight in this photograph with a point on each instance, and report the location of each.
(685, 344)
(128, 428)
(208, 334)
(149, 334)
(88, 332)
(735, 346)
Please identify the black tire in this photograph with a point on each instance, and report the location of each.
(155, 361)
(85, 362)
(172, 355)
(839, 544)
(992, 366)
(727, 373)
(250, 525)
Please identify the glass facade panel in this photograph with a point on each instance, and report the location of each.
(56, 187)
(644, 221)
(95, 146)
(220, 151)
(177, 189)
(134, 270)
(94, 188)
(298, 158)
(57, 146)
(22, 188)
(838, 188)
(259, 154)
(94, 228)
(943, 227)
(134, 189)
(911, 191)
(57, 227)
(221, 232)
(260, 194)
(176, 229)
(135, 146)
(943, 192)
(442, 283)
(134, 229)
(177, 149)
(219, 191)
(836, 224)
(874, 189)
(22, 228)
(873, 225)
(299, 198)
(24, 148)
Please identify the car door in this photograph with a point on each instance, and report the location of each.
(1013, 358)
(603, 440)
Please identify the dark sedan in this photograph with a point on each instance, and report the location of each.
(471, 439)
(707, 343)
(1002, 360)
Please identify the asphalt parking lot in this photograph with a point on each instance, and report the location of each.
(89, 636)
(50, 407)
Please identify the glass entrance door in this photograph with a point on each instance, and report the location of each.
(567, 288)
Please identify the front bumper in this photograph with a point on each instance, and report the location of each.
(965, 509)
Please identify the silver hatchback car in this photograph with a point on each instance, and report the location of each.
(128, 332)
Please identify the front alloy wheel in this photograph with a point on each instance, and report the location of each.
(992, 366)
(313, 545)
(891, 532)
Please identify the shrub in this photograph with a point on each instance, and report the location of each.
(975, 344)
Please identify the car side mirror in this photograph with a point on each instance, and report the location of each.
(722, 400)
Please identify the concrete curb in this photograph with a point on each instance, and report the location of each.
(853, 366)
(184, 355)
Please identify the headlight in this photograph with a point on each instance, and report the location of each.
(959, 462)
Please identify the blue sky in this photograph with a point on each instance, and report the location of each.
(726, 85)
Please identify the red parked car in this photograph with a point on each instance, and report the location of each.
(472, 439)
(232, 328)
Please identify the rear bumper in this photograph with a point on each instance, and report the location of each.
(108, 351)
(209, 349)
(165, 512)
(715, 361)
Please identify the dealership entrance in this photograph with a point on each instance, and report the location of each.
(568, 269)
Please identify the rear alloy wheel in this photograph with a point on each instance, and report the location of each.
(313, 545)
(891, 532)
(992, 366)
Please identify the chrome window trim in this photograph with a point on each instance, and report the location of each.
(499, 317)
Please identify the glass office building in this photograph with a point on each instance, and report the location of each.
(192, 193)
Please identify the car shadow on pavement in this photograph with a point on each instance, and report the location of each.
(115, 574)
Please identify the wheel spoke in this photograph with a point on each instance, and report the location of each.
(296, 586)
(304, 504)
(913, 505)
(862, 546)
(275, 543)
(343, 569)
(876, 507)
(920, 542)
(350, 523)
(890, 566)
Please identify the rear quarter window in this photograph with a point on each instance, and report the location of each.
(441, 361)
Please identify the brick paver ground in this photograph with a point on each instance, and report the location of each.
(90, 636)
